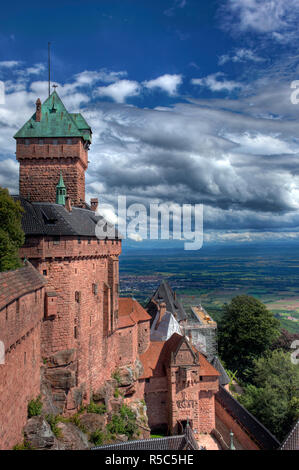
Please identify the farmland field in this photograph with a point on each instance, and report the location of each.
(214, 275)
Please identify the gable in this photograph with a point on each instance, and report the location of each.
(184, 355)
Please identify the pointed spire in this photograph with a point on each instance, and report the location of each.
(60, 191)
(232, 445)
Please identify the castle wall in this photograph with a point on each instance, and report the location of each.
(20, 323)
(127, 345)
(143, 336)
(193, 400)
(225, 423)
(157, 401)
(82, 279)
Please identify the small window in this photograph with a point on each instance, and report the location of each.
(45, 272)
(147, 380)
(75, 332)
(79, 240)
(95, 289)
(89, 241)
(201, 378)
(69, 141)
(27, 141)
(55, 142)
(40, 142)
(77, 296)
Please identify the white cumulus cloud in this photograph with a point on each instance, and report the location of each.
(167, 82)
(120, 90)
(216, 82)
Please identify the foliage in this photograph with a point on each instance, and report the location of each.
(273, 397)
(123, 423)
(11, 234)
(25, 445)
(94, 408)
(246, 331)
(116, 393)
(116, 375)
(75, 419)
(35, 407)
(285, 340)
(53, 421)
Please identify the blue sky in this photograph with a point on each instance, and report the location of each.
(189, 102)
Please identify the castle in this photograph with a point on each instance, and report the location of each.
(66, 330)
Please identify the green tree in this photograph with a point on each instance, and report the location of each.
(247, 329)
(11, 234)
(273, 398)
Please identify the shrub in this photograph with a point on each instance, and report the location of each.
(123, 423)
(35, 407)
(116, 375)
(97, 437)
(116, 393)
(53, 421)
(94, 408)
(75, 419)
(25, 445)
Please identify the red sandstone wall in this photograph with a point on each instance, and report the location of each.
(127, 341)
(194, 401)
(20, 375)
(82, 307)
(156, 399)
(225, 423)
(143, 336)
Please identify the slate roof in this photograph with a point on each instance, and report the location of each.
(130, 312)
(185, 441)
(164, 293)
(255, 429)
(46, 218)
(292, 440)
(14, 284)
(55, 122)
(158, 356)
(224, 378)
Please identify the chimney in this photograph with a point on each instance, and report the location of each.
(68, 204)
(38, 113)
(161, 313)
(94, 202)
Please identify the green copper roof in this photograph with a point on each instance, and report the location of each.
(55, 122)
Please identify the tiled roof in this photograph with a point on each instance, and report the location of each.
(183, 442)
(130, 312)
(292, 440)
(55, 122)
(254, 428)
(158, 356)
(14, 284)
(46, 218)
(164, 293)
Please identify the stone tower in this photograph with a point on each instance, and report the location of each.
(53, 140)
